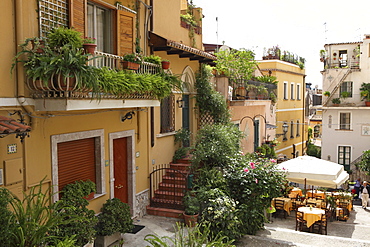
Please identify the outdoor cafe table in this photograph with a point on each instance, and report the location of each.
(311, 215)
(294, 192)
(287, 203)
(316, 194)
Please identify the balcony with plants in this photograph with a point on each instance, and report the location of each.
(347, 57)
(62, 67)
(276, 53)
(239, 66)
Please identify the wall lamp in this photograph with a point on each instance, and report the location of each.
(285, 130)
(128, 115)
(180, 102)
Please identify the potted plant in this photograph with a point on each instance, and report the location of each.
(326, 93)
(131, 61)
(153, 59)
(165, 64)
(261, 92)
(336, 101)
(61, 36)
(71, 70)
(192, 208)
(365, 93)
(114, 219)
(345, 94)
(73, 205)
(89, 45)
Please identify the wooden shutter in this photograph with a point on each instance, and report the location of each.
(76, 161)
(125, 32)
(77, 12)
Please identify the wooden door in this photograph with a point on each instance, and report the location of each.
(120, 169)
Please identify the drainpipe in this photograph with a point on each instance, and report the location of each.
(20, 79)
(304, 113)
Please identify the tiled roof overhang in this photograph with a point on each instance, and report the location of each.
(10, 126)
(159, 43)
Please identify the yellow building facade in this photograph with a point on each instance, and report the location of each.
(291, 131)
(122, 139)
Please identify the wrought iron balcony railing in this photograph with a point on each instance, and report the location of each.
(59, 87)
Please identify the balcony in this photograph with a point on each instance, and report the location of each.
(353, 63)
(252, 90)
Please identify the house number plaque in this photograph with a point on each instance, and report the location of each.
(12, 148)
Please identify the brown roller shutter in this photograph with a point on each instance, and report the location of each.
(125, 32)
(77, 13)
(76, 161)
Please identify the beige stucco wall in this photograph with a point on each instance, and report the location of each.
(288, 110)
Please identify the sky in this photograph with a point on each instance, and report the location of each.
(301, 27)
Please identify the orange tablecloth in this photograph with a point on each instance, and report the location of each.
(287, 203)
(294, 192)
(316, 193)
(311, 215)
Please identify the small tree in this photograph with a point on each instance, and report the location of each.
(365, 162)
(236, 64)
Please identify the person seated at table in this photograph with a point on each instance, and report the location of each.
(365, 190)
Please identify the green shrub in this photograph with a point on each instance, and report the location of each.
(72, 207)
(61, 36)
(6, 224)
(199, 235)
(114, 217)
(216, 145)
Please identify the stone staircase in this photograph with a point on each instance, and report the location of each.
(167, 198)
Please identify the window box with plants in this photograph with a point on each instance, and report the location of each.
(114, 219)
(365, 93)
(192, 208)
(62, 65)
(131, 61)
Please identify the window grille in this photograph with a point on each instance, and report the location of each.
(168, 114)
(346, 86)
(345, 121)
(52, 13)
(344, 156)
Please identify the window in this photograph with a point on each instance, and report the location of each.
(344, 156)
(316, 131)
(345, 121)
(52, 13)
(168, 114)
(291, 129)
(99, 26)
(346, 86)
(343, 58)
(292, 90)
(285, 90)
(67, 168)
(298, 92)
(298, 126)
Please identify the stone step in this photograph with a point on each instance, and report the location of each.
(172, 187)
(168, 195)
(180, 166)
(165, 203)
(165, 212)
(174, 180)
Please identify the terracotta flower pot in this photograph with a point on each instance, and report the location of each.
(89, 48)
(130, 65)
(191, 220)
(165, 64)
(38, 48)
(367, 103)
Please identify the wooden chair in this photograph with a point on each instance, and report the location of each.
(342, 211)
(279, 206)
(321, 225)
(300, 223)
(313, 204)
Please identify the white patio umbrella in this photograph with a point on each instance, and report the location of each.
(314, 171)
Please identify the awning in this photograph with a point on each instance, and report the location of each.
(159, 43)
(314, 171)
(10, 126)
(270, 126)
